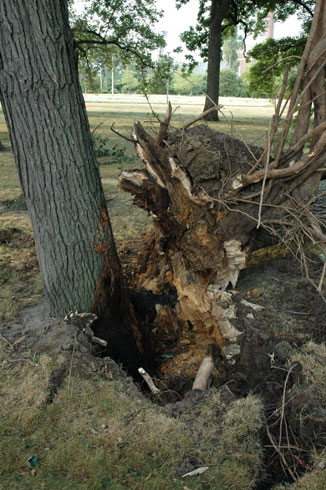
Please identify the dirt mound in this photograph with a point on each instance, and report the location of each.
(212, 157)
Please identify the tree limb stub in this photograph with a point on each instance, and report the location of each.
(204, 374)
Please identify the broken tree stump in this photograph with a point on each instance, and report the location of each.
(198, 249)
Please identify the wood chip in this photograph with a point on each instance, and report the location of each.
(196, 472)
(252, 305)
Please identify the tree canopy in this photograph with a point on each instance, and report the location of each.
(216, 19)
(269, 60)
(249, 15)
(266, 73)
(108, 26)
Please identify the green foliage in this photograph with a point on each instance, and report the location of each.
(231, 84)
(161, 76)
(129, 81)
(231, 46)
(265, 75)
(188, 84)
(109, 29)
(249, 14)
(103, 148)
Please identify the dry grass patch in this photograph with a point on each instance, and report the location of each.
(305, 410)
(227, 434)
(94, 435)
(100, 433)
(20, 282)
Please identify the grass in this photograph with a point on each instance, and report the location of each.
(98, 435)
(20, 282)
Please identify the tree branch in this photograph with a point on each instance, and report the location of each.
(121, 135)
(304, 6)
(110, 42)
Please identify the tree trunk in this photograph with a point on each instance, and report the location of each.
(46, 116)
(218, 12)
(208, 194)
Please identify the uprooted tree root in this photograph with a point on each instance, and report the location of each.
(208, 195)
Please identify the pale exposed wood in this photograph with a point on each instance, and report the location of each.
(197, 471)
(150, 383)
(204, 374)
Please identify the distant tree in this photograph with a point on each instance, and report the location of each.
(161, 76)
(231, 84)
(129, 81)
(216, 17)
(231, 46)
(188, 84)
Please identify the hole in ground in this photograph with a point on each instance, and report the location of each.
(122, 348)
(251, 374)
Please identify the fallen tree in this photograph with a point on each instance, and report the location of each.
(209, 193)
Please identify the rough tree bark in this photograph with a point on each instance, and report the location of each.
(46, 116)
(218, 12)
(207, 202)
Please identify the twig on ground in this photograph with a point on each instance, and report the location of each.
(149, 381)
(281, 455)
(6, 340)
(283, 402)
(12, 361)
(71, 360)
(98, 126)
